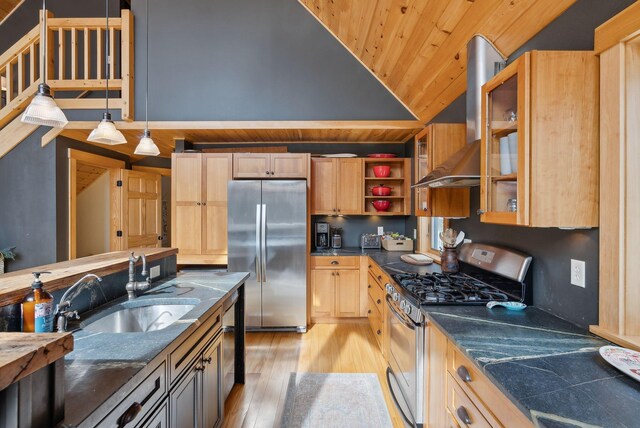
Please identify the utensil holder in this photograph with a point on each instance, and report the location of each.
(449, 261)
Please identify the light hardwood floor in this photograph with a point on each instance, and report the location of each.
(271, 357)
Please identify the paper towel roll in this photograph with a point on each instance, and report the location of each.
(513, 151)
(505, 156)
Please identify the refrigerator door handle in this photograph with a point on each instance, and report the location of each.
(263, 235)
(258, 247)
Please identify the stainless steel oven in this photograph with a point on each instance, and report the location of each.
(407, 361)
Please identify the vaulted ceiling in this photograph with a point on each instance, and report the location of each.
(417, 49)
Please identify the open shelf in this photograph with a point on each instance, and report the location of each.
(506, 177)
(384, 197)
(398, 181)
(385, 178)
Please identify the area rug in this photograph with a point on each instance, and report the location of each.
(328, 400)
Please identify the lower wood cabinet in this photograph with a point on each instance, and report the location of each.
(377, 311)
(335, 287)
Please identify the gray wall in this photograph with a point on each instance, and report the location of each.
(354, 226)
(552, 249)
(250, 60)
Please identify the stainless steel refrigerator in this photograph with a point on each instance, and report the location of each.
(267, 227)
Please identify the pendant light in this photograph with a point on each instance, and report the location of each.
(43, 109)
(146, 146)
(106, 132)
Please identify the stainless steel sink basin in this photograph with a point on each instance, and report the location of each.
(139, 317)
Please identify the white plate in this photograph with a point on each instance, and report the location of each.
(625, 360)
(340, 155)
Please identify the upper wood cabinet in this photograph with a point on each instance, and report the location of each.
(336, 186)
(619, 47)
(539, 163)
(199, 206)
(270, 165)
(434, 145)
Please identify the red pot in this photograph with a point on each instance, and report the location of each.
(381, 204)
(381, 190)
(382, 170)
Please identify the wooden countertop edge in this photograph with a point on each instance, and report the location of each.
(46, 349)
(15, 285)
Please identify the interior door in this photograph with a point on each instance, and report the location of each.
(284, 283)
(186, 194)
(216, 174)
(245, 201)
(141, 218)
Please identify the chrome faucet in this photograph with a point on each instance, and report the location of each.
(62, 309)
(133, 285)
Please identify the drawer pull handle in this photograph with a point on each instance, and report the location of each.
(129, 415)
(379, 332)
(335, 262)
(463, 415)
(464, 374)
(207, 360)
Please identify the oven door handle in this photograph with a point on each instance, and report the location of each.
(395, 400)
(400, 318)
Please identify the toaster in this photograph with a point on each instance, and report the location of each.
(369, 240)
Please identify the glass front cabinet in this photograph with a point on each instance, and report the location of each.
(539, 157)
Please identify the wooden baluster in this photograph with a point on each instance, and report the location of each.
(99, 54)
(33, 61)
(62, 55)
(2, 103)
(9, 82)
(74, 54)
(21, 73)
(112, 53)
(87, 54)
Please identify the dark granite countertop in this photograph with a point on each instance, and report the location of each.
(388, 260)
(101, 364)
(548, 367)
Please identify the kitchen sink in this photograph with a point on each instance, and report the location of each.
(139, 316)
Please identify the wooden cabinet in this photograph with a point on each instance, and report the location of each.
(184, 400)
(270, 165)
(436, 379)
(434, 145)
(619, 47)
(199, 206)
(399, 180)
(335, 287)
(377, 311)
(539, 157)
(336, 186)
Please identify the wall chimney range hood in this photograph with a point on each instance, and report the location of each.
(462, 169)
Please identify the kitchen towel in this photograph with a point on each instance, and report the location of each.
(331, 400)
(513, 151)
(505, 156)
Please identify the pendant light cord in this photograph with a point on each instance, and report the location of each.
(43, 45)
(146, 98)
(107, 59)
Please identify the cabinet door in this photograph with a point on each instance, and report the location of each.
(423, 164)
(347, 293)
(186, 197)
(323, 186)
(436, 379)
(212, 384)
(160, 418)
(216, 174)
(185, 401)
(323, 294)
(289, 165)
(251, 165)
(349, 186)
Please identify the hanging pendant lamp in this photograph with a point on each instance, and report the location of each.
(43, 109)
(146, 146)
(106, 132)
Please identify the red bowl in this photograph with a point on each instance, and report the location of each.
(381, 170)
(381, 190)
(381, 204)
(382, 155)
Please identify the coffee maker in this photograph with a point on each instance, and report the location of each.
(322, 235)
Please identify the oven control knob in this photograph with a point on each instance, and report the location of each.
(402, 304)
(407, 309)
(389, 289)
(395, 296)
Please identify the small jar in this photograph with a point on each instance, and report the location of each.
(512, 205)
(449, 261)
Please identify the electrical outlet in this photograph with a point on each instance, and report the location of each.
(154, 272)
(415, 234)
(380, 230)
(578, 268)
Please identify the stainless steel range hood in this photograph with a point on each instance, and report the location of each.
(462, 169)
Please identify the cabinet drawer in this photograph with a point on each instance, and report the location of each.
(338, 262)
(144, 397)
(378, 274)
(376, 293)
(497, 408)
(375, 321)
(462, 408)
(184, 354)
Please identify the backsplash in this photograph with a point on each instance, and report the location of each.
(354, 226)
(111, 288)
